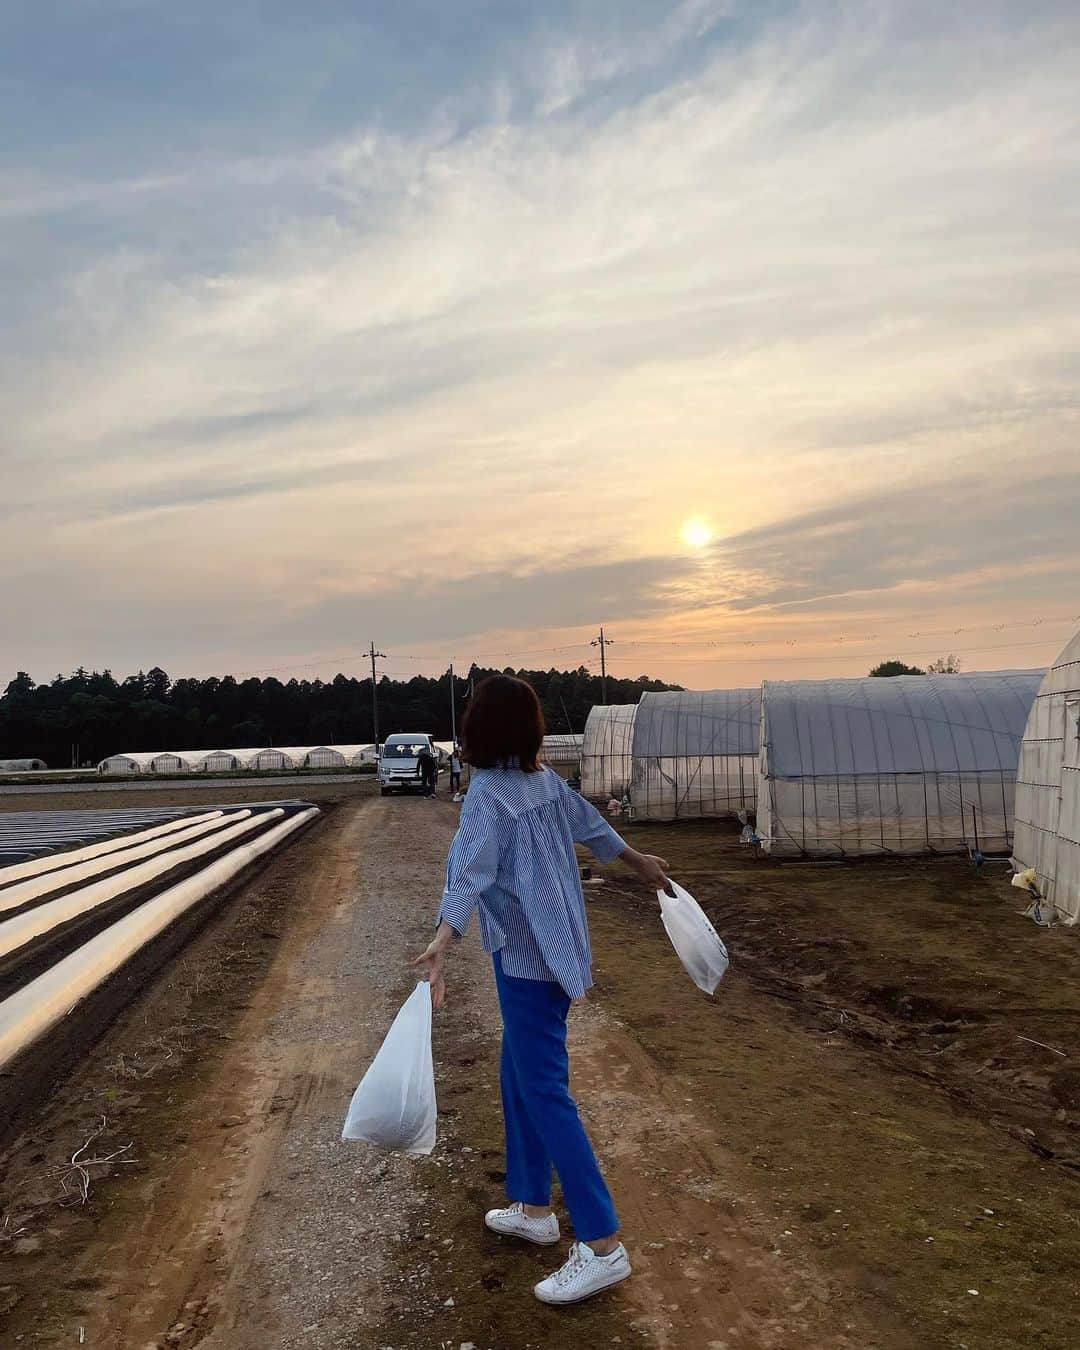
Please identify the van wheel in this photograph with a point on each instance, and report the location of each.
(384, 792)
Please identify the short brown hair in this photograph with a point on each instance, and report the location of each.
(504, 725)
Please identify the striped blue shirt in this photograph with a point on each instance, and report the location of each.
(513, 859)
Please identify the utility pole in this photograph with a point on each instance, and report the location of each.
(453, 707)
(603, 643)
(375, 695)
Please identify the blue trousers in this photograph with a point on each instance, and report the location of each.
(543, 1128)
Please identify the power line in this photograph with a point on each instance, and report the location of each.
(831, 656)
(841, 641)
(844, 638)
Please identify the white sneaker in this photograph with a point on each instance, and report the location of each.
(584, 1274)
(514, 1222)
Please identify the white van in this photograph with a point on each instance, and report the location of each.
(398, 756)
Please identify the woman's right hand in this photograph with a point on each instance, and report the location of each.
(651, 869)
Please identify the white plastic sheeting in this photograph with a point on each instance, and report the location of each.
(563, 748)
(11, 897)
(272, 758)
(37, 1006)
(214, 761)
(324, 757)
(911, 764)
(245, 755)
(170, 763)
(607, 762)
(120, 764)
(21, 765)
(52, 861)
(23, 928)
(1048, 788)
(695, 753)
(300, 755)
(149, 761)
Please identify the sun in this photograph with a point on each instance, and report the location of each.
(696, 533)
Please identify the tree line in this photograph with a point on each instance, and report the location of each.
(85, 716)
(944, 665)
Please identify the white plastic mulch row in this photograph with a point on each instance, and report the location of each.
(53, 861)
(39, 1005)
(23, 928)
(11, 897)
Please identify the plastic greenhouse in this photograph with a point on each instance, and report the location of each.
(1048, 788)
(562, 749)
(255, 757)
(144, 761)
(695, 754)
(273, 757)
(324, 757)
(607, 750)
(911, 764)
(355, 755)
(169, 763)
(216, 761)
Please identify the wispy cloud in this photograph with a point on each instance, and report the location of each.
(791, 268)
(949, 532)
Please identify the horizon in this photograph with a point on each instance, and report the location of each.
(465, 672)
(748, 332)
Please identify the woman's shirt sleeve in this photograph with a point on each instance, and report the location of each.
(473, 863)
(588, 827)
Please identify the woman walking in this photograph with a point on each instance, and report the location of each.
(513, 860)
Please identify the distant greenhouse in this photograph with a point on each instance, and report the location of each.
(562, 749)
(215, 761)
(149, 761)
(607, 758)
(355, 755)
(911, 764)
(1048, 788)
(257, 758)
(22, 765)
(695, 753)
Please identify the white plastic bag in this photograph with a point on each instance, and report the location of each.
(694, 938)
(394, 1106)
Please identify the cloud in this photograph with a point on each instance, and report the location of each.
(944, 532)
(586, 273)
(424, 611)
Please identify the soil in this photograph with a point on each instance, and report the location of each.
(831, 1153)
(155, 793)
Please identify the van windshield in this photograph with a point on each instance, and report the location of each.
(403, 749)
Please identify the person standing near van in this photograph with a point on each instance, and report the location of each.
(427, 769)
(513, 860)
(455, 769)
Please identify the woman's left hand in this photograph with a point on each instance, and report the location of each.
(432, 964)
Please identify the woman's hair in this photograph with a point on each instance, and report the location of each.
(504, 723)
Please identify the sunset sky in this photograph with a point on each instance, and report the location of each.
(749, 330)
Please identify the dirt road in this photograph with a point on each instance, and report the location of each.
(778, 1183)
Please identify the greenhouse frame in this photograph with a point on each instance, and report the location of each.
(901, 765)
(1048, 788)
(607, 761)
(695, 753)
